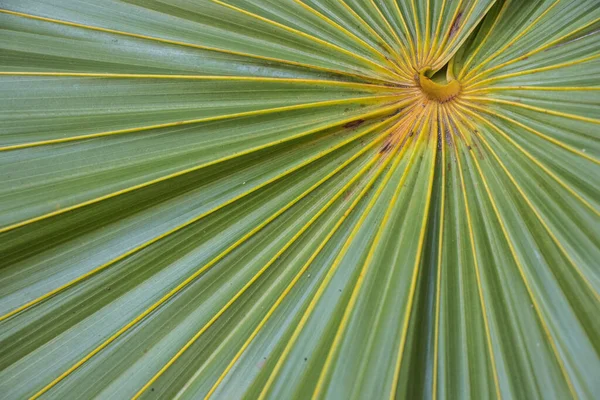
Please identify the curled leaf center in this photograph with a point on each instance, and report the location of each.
(438, 91)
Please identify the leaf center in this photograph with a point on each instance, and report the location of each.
(435, 88)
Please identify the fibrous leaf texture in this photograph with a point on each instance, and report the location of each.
(300, 199)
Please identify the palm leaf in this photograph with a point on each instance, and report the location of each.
(299, 198)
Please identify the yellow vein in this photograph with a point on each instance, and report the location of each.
(463, 36)
(409, 38)
(535, 132)
(510, 243)
(297, 277)
(346, 32)
(438, 284)
(228, 78)
(464, 20)
(187, 223)
(534, 88)
(192, 45)
(530, 156)
(370, 342)
(364, 270)
(461, 30)
(423, 53)
(390, 29)
(427, 31)
(532, 108)
(416, 267)
(330, 273)
(196, 274)
(302, 230)
(511, 42)
(307, 36)
(417, 27)
(382, 42)
(264, 111)
(377, 112)
(474, 83)
(528, 54)
(442, 48)
(477, 270)
(432, 50)
(484, 40)
(536, 212)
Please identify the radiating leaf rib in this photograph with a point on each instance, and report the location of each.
(442, 146)
(446, 36)
(454, 374)
(278, 162)
(228, 78)
(459, 28)
(556, 353)
(426, 43)
(522, 274)
(532, 71)
(522, 33)
(485, 38)
(461, 35)
(331, 271)
(371, 180)
(382, 292)
(418, 37)
(533, 108)
(190, 279)
(535, 132)
(379, 39)
(366, 265)
(114, 351)
(474, 74)
(404, 55)
(432, 50)
(529, 156)
(110, 105)
(413, 56)
(530, 204)
(262, 270)
(176, 174)
(81, 50)
(346, 32)
(330, 206)
(191, 221)
(486, 90)
(419, 251)
(452, 127)
(391, 29)
(197, 46)
(200, 120)
(343, 207)
(377, 66)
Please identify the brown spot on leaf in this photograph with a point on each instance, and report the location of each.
(477, 148)
(347, 195)
(396, 112)
(386, 147)
(396, 85)
(449, 142)
(354, 124)
(456, 24)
